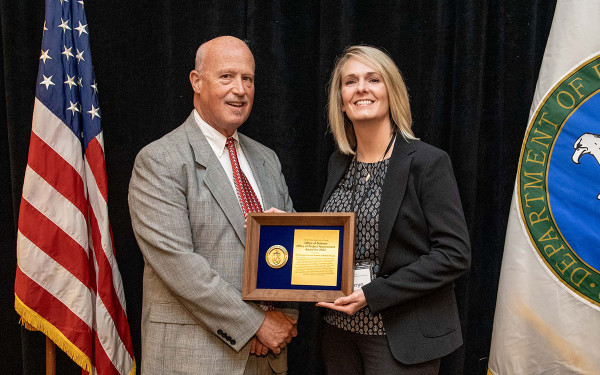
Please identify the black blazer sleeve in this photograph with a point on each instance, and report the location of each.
(430, 232)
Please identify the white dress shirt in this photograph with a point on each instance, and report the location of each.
(217, 141)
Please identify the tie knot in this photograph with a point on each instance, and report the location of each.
(230, 142)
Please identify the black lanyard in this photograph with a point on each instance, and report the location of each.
(355, 183)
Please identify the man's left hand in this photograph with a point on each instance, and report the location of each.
(349, 304)
(274, 210)
(271, 210)
(257, 347)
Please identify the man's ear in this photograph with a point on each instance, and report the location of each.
(196, 81)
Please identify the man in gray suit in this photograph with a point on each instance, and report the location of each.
(189, 225)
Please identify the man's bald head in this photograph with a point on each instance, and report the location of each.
(223, 83)
(226, 41)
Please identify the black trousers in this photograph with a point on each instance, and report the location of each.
(348, 353)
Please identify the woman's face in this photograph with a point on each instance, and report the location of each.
(364, 94)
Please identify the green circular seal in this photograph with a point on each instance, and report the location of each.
(558, 181)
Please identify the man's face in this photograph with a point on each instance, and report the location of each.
(225, 86)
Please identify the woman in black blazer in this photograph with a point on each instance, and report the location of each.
(411, 236)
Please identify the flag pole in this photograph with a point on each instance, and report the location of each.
(50, 357)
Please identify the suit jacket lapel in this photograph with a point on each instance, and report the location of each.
(337, 168)
(257, 162)
(215, 178)
(394, 187)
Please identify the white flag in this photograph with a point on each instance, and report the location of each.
(547, 317)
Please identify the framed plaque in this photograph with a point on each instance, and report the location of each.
(305, 257)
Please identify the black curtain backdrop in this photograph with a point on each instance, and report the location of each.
(470, 66)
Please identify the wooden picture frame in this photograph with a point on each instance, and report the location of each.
(257, 256)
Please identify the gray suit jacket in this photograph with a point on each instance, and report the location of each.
(190, 228)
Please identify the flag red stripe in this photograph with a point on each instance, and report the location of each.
(103, 364)
(106, 290)
(56, 171)
(54, 311)
(112, 241)
(95, 159)
(53, 241)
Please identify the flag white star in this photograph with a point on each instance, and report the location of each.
(70, 81)
(45, 29)
(63, 1)
(45, 55)
(81, 28)
(67, 52)
(64, 25)
(79, 82)
(81, 2)
(73, 108)
(95, 87)
(79, 55)
(47, 81)
(94, 112)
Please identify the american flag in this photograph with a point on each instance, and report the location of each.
(67, 283)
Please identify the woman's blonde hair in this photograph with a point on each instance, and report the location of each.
(340, 124)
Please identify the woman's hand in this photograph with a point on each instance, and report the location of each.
(349, 305)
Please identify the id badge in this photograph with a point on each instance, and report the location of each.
(363, 273)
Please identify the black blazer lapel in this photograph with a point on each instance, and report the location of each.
(393, 190)
(337, 167)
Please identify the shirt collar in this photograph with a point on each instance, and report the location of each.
(215, 139)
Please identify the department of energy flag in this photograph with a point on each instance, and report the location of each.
(547, 317)
(67, 283)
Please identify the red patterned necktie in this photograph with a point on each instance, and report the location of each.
(246, 195)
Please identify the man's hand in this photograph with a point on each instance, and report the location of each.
(257, 347)
(276, 331)
(274, 210)
(349, 305)
(271, 210)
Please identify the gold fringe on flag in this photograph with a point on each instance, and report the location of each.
(34, 322)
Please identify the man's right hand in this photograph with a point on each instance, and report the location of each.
(276, 331)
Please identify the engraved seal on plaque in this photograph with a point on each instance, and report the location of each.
(276, 256)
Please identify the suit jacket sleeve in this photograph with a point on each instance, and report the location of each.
(449, 250)
(160, 219)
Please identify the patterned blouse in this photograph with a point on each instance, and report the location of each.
(357, 193)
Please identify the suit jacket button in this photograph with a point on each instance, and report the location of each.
(232, 342)
(228, 338)
(220, 333)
